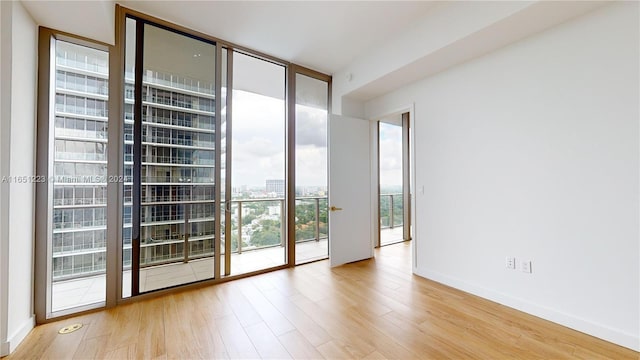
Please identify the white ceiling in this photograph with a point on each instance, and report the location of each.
(322, 35)
(297, 31)
(381, 45)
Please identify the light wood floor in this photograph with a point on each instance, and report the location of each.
(371, 309)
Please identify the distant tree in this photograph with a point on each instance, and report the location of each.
(305, 231)
(247, 219)
(268, 233)
(265, 237)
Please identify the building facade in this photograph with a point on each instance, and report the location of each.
(275, 186)
(80, 161)
(177, 187)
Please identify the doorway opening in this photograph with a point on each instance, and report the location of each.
(394, 191)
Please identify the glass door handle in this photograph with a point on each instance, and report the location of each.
(333, 208)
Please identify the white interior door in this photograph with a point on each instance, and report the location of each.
(350, 228)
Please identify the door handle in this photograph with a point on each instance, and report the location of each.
(333, 208)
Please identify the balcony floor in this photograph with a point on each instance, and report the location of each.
(90, 290)
(391, 236)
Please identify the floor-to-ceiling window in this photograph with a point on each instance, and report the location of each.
(203, 178)
(258, 165)
(72, 180)
(394, 187)
(311, 115)
(171, 152)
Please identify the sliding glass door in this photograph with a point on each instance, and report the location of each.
(257, 201)
(311, 114)
(393, 185)
(170, 158)
(204, 190)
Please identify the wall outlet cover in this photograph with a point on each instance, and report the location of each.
(510, 262)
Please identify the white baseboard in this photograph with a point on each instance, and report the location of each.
(583, 325)
(16, 338)
(4, 349)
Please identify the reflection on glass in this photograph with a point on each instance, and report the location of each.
(177, 213)
(177, 186)
(311, 169)
(127, 171)
(223, 159)
(258, 165)
(78, 197)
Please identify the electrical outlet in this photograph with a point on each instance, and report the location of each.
(511, 262)
(525, 266)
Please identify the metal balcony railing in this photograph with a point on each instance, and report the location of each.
(90, 64)
(183, 251)
(319, 219)
(180, 82)
(391, 210)
(183, 246)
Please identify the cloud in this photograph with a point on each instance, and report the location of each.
(311, 166)
(258, 151)
(257, 115)
(390, 154)
(256, 147)
(311, 126)
(258, 139)
(311, 146)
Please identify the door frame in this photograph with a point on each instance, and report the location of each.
(375, 178)
(404, 125)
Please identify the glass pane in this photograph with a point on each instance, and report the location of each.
(127, 127)
(223, 157)
(78, 195)
(178, 158)
(311, 169)
(391, 206)
(258, 165)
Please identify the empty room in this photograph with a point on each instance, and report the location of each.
(319, 179)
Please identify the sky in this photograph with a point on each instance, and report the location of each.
(258, 147)
(258, 151)
(390, 155)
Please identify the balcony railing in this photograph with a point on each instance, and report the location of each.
(183, 246)
(80, 156)
(391, 210)
(83, 87)
(180, 82)
(96, 66)
(240, 232)
(319, 222)
(177, 179)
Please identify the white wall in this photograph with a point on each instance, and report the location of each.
(532, 151)
(4, 33)
(451, 33)
(19, 65)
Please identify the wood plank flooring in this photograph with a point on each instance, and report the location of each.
(372, 309)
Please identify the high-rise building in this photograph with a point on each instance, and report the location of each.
(177, 187)
(275, 186)
(177, 184)
(80, 161)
